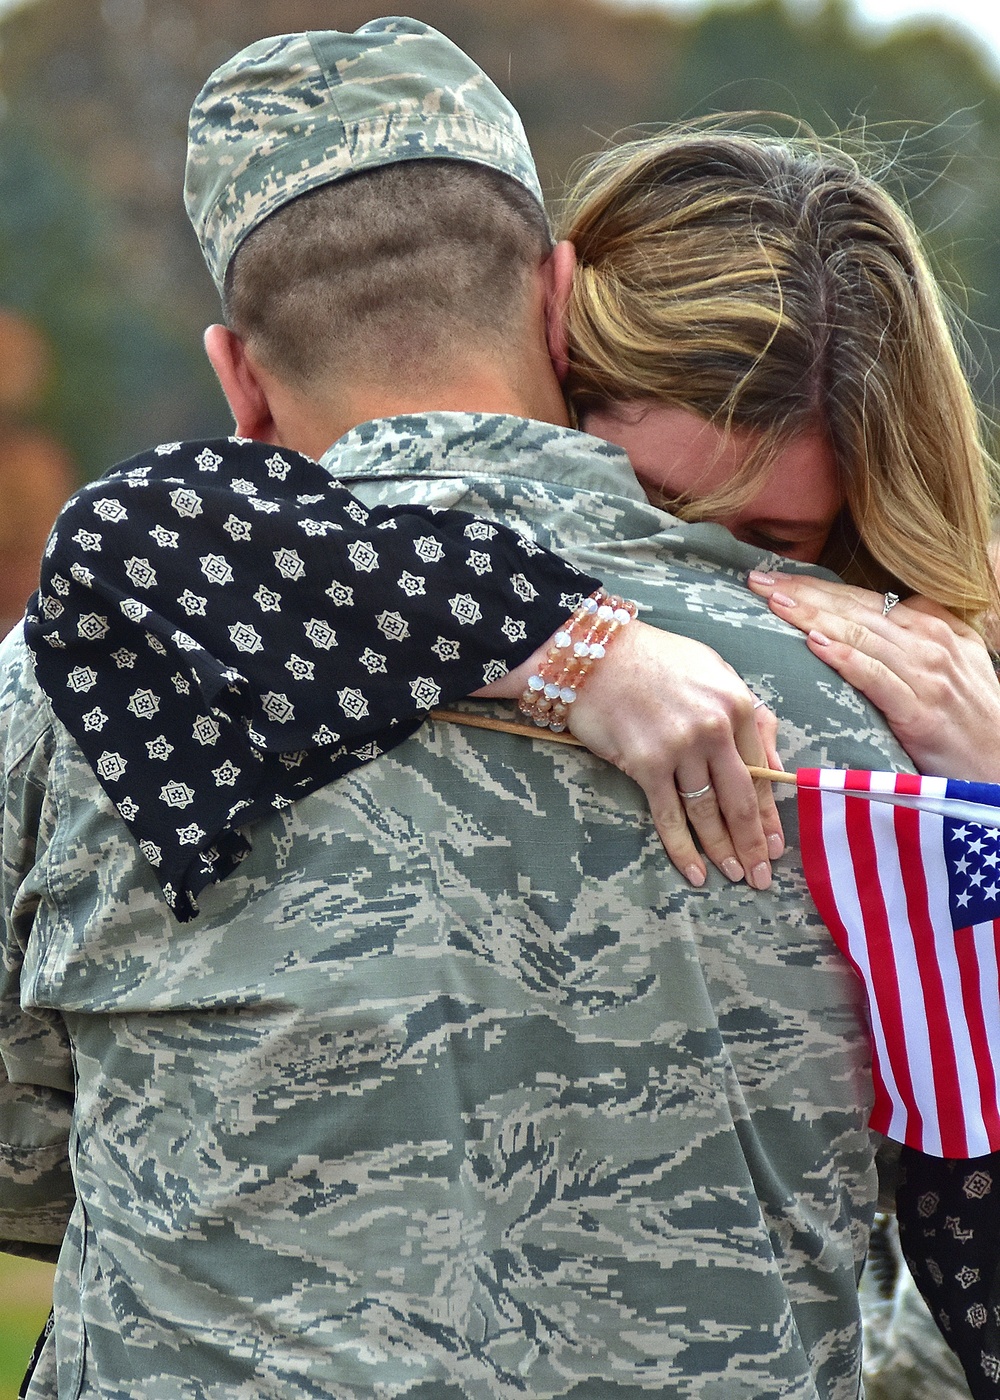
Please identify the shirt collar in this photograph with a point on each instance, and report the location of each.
(482, 444)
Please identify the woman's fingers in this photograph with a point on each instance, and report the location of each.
(805, 589)
(875, 649)
(670, 819)
(734, 818)
(675, 717)
(854, 616)
(737, 822)
(928, 672)
(884, 686)
(767, 731)
(857, 616)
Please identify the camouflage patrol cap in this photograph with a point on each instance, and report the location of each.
(297, 111)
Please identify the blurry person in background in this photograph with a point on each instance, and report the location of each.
(36, 475)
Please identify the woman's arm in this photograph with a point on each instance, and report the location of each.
(222, 628)
(930, 675)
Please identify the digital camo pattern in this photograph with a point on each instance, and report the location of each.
(296, 111)
(454, 1090)
(36, 1078)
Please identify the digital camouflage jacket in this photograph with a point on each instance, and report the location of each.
(454, 1090)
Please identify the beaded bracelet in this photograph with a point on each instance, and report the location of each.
(572, 652)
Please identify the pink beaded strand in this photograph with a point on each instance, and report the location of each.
(572, 652)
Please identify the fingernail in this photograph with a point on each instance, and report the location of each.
(783, 600)
(775, 845)
(820, 638)
(760, 876)
(757, 576)
(695, 876)
(732, 869)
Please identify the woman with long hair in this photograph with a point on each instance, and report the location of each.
(753, 320)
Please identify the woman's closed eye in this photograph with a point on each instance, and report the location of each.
(799, 547)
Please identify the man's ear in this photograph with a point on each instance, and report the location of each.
(241, 384)
(557, 271)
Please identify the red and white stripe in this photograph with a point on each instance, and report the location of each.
(875, 866)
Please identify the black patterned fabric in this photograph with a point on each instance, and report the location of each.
(949, 1230)
(223, 627)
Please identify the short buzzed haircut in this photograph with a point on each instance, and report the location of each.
(385, 269)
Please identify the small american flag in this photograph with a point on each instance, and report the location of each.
(906, 876)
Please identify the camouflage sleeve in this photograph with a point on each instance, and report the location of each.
(36, 1188)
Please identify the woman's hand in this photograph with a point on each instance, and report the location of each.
(675, 717)
(930, 674)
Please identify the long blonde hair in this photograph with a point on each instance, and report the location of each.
(769, 284)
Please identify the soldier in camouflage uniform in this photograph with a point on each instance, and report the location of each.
(455, 1088)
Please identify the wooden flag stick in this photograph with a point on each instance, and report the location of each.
(505, 726)
(534, 731)
(772, 775)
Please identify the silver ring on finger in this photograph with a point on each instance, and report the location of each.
(698, 792)
(890, 601)
(758, 703)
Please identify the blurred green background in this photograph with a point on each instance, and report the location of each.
(25, 1290)
(96, 254)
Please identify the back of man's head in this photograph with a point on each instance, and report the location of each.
(363, 200)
